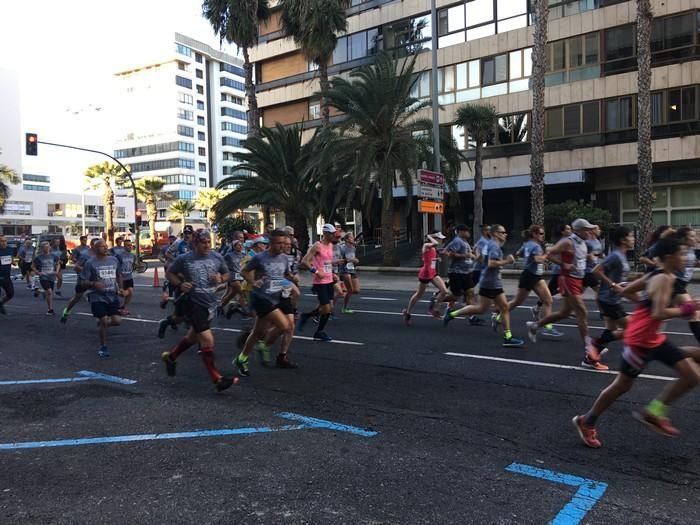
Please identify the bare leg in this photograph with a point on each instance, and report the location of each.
(416, 296)
(688, 378)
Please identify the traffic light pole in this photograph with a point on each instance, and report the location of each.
(128, 174)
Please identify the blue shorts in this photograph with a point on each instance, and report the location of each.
(100, 309)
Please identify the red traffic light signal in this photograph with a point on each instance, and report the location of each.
(32, 144)
(139, 217)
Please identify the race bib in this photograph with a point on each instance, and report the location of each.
(274, 285)
(237, 277)
(540, 268)
(28, 258)
(292, 260)
(581, 264)
(350, 266)
(433, 264)
(107, 273)
(6, 259)
(687, 277)
(327, 267)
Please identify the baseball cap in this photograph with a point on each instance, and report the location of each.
(187, 229)
(438, 235)
(582, 224)
(259, 239)
(328, 228)
(201, 235)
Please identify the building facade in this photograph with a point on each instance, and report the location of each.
(183, 119)
(484, 50)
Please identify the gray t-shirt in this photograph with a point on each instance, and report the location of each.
(595, 247)
(459, 245)
(199, 271)
(25, 254)
(491, 277)
(481, 245)
(348, 251)
(46, 265)
(105, 271)
(531, 249)
(336, 255)
(272, 269)
(233, 262)
(616, 267)
(126, 264)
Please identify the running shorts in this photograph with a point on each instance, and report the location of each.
(128, 283)
(528, 280)
(79, 289)
(25, 267)
(612, 311)
(263, 306)
(198, 315)
(490, 293)
(324, 292)
(570, 286)
(635, 359)
(553, 284)
(46, 284)
(101, 309)
(590, 281)
(460, 283)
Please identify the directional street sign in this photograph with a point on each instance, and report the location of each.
(432, 192)
(431, 177)
(431, 207)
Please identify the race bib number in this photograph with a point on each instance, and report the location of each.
(274, 285)
(292, 260)
(581, 264)
(28, 258)
(433, 265)
(107, 273)
(327, 267)
(540, 268)
(6, 259)
(687, 277)
(237, 277)
(350, 266)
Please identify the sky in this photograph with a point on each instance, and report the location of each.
(66, 52)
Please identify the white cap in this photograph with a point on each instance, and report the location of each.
(328, 228)
(438, 235)
(582, 224)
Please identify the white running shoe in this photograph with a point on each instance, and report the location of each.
(532, 330)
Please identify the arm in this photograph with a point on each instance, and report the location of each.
(554, 255)
(307, 260)
(497, 263)
(660, 289)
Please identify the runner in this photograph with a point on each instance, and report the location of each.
(5, 274)
(338, 289)
(553, 284)
(127, 260)
(80, 256)
(46, 265)
(271, 289)
(197, 275)
(460, 271)
(612, 274)
(233, 259)
(571, 254)
(647, 258)
(427, 275)
(168, 289)
(319, 260)
(688, 238)
(61, 254)
(25, 254)
(531, 277)
(178, 248)
(118, 247)
(348, 270)
(479, 250)
(595, 250)
(491, 286)
(644, 343)
(101, 275)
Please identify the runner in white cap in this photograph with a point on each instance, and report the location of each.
(428, 274)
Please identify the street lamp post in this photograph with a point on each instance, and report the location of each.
(434, 97)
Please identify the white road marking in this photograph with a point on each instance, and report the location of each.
(551, 365)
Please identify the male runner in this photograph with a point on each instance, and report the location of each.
(479, 251)
(233, 259)
(197, 274)
(271, 289)
(5, 273)
(25, 254)
(687, 237)
(46, 265)
(100, 274)
(167, 288)
(644, 343)
(80, 255)
(595, 250)
(179, 247)
(571, 254)
(553, 284)
(60, 254)
(461, 270)
(118, 246)
(127, 261)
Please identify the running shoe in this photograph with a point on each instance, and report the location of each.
(103, 352)
(495, 321)
(593, 364)
(431, 304)
(532, 331)
(162, 327)
(661, 425)
(58, 293)
(224, 383)
(587, 434)
(552, 332)
(348, 311)
(303, 319)
(512, 342)
(476, 321)
(264, 352)
(124, 312)
(3, 311)
(170, 365)
(448, 317)
(535, 312)
(593, 351)
(242, 366)
(64, 315)
(330, 318)
(436, 313)
(322, 336)
(284, 362)
(406, 317)
(50, 312)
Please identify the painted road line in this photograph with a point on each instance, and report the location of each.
(603, 328)
(550, 365)
(85, 375)
(588, 493)
(306, 423)
(378, 299)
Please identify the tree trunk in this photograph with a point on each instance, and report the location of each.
(539, 67)
(211, 219)
(390, 256)
(301, 230)
(152, 212)
(478, 191)
(644, 160)
(325, 110)
(253, 114)
(183, 220)
(108, 201)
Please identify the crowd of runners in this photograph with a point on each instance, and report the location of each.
(257, 277)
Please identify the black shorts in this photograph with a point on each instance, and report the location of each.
(353, 274)
(476, 275)
(590, 281)
(127, 283)
(460, 283)
(199, 317)
(680, 287)
(490, 293)
(263, 306)
(100, 309)
(324, 292)
(634, 361)
(528, 280)
(46, 284)
(553, 284)
(612, 311)
(79, 290)
(25, 267)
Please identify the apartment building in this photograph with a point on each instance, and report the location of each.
(184, 117)
(484, 50)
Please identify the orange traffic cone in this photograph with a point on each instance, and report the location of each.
(156, 281)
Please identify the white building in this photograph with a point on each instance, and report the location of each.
(182, 118)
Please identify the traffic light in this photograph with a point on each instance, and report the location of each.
(139, 218)
(32, 143)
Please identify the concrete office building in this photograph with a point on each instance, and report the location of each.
(484, 55)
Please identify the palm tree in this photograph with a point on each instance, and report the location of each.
(644, 159)
(282, 178)
(181, 210)
(539, 68)
(314, 24)
(102, 176)
(7, 177)
(237, 22)
(147, 190)
(206, 199)
(479, 122)
(381, 139)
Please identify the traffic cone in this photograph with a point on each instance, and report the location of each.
(156, 281)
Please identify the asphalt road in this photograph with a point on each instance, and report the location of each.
(410, 425)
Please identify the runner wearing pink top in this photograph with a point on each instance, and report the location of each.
(319, 261)
(428, 274)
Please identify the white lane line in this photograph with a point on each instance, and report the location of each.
(551, 365)
(302, 337)
(603, 328)
(378, 299)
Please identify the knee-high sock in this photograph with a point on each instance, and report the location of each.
(322, 322)
(207, 354)
(180, 347)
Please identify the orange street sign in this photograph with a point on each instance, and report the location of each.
(430, 207)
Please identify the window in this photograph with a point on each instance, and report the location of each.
(340, 54)
(619, 43)
(235, 84)
(314, 110)
(572, 59)
(203, 183)
(572, 120)
(184, 82)
(185, 131)
(228, 68)
(229, 156)
(198, 57)
(27, 177)
(408, 36)
(480, 11)
(202, 166)
(200, 104)
(199, 73)
(184, 98)
(591, 117)
(162, 165)
(154, 148)
(230, 141)
(183, 66)
(200, 121)
(619, 113)
(672, 32)
(228, 112)
(200, 89)
(200, 135)
(185, 114)
(553, 123)
(237, 128)
(183, 50)
(494, 69)
(202, 152)
(673, 105)
(34, 187)
(513, 129)
(358, 45)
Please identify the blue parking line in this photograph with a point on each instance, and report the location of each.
(588, 493)
(39, 381)
(106, 377)
(306, 423)
(85, 375)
